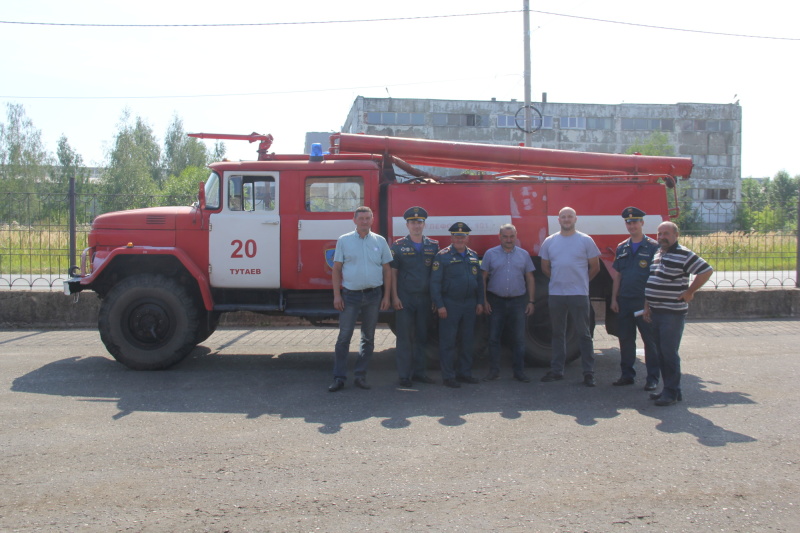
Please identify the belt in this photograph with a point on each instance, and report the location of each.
(506, 297)
(364, 290)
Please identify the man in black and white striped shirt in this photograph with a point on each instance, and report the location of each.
(667, 296)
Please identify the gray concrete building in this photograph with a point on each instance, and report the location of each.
(711, 134)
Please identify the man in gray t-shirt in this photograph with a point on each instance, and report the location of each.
(570, 259)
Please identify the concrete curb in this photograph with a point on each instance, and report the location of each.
(45, 309)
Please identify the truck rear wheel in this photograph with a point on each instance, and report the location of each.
(148, 322)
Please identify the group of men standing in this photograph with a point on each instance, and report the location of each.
(650, 293)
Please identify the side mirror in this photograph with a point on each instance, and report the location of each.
(201, 195)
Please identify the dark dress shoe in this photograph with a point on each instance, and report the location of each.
(491, 376)
(361, 383)
(623, 381)
(405, 382)
(522, 377)
(552, 377)
(663, 402)
(657, 396)
(337, 384)
(467, 379)
(424, 379)
(588, 380)
(453, 384)
(651, 385)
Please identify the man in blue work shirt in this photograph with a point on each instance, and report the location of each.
(631, 270)
(411, 296)
(360, 271)
(508, 277)
(457, 293)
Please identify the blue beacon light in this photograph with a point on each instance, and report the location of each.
(316, 152)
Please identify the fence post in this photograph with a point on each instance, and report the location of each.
(797, 263)
(73, 227)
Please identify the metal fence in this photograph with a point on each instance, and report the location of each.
(748, 246)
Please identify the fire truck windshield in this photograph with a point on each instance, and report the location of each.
(212, 191)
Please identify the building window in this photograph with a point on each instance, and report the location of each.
(460, 119)
(711, 125)
(334, 194)
(645, 124)
(573, 123)
(718, 194)
(599, 123)
(399, 119)
(508, 121)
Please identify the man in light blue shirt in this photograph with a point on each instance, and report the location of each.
(361, 278)
(508, 275)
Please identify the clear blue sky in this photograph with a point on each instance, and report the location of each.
(292, 78)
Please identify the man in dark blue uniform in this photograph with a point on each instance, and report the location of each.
(457, 293)
(411, 297)
(632, 264)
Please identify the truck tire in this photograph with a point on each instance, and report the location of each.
(148, 322)
(206, 324)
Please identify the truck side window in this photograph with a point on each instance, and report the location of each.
(334, 194)
(251, 193)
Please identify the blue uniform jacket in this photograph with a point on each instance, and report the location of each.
(634, 269)
(456, 278)
(413, 268)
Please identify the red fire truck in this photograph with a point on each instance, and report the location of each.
(261, 236)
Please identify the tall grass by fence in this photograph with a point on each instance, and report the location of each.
(35, 238)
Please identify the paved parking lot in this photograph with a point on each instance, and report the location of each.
(243, 436)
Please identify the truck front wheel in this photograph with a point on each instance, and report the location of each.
(148, 322)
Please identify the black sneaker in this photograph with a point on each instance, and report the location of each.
(588, 380)
(550, 376)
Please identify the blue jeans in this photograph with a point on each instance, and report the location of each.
(411, 324)
(627, 324)
(668, 330)
(459, 324)
(368, 305)
(507, 312)
(577, 308)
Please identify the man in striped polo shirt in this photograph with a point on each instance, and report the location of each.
(667, 296)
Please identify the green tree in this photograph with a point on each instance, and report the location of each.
(183, 189)
(69, 165)
(23, 158)
(219, 151)
(133, 165)
(754, 200)
(182, 151)
(656, 144)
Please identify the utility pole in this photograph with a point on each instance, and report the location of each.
(527, 41)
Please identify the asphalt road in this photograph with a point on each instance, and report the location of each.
(243, 436)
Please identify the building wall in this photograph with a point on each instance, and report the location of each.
(711, 134)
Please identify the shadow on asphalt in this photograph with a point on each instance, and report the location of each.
(294, 385)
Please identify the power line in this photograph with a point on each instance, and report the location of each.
(351, 21)
(240, 24)
(668, 28)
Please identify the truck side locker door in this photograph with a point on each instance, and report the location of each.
(244, 237)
